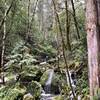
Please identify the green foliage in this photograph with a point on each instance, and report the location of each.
(97, 95)
(21, 62)
(82, 85)
(78, 52)
(17, 91)
(14, 92)
(22, 56)
(47, 49)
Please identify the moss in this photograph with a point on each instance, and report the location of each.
(12, 93)
(35, 89)
(28, 97)
(58, 97)
(44, 78)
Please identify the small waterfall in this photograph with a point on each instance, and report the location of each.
(49, 81)
(72, 78)
(73, 82)
(46, 93)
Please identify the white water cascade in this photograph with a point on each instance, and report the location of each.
(46, 94)
(73, 83)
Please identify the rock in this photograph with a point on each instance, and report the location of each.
(56, 84)
(44, 78)
(57, 80)
(46, 96)
(59, 97)
(28, 97)
(35, 89)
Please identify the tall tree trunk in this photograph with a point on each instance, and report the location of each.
(33, 14)
(63, 47)
(3, 46)
(75, 21)
(41, 15)
(7, 12)
(28, 29)
(93, 42)
(67, 26)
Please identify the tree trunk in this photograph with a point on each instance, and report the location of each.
(75, 21)
(7, 12)
(3, 46)
(93, 42)
(67, 26)
(28, 28)
(63, 47)
(41, 15)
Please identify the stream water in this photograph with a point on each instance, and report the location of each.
(46, 94)
(47, 87)
(73, 83)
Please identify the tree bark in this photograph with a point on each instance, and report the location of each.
(3, 46)
(28, 28)
(33, 14)
(93, 42)
(67, 26)
(63, 47)
(7, 12)
(75, 20)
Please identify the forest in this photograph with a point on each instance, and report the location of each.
(49, 49)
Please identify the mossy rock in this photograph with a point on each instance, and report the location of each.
(35, 89)
(57, 81)
(44, 78)
(28, 97)
(58, 97)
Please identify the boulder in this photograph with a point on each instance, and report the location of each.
(59, 97)
(28, 97)
(35, 89)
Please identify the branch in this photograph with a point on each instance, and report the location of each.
(7, 12)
